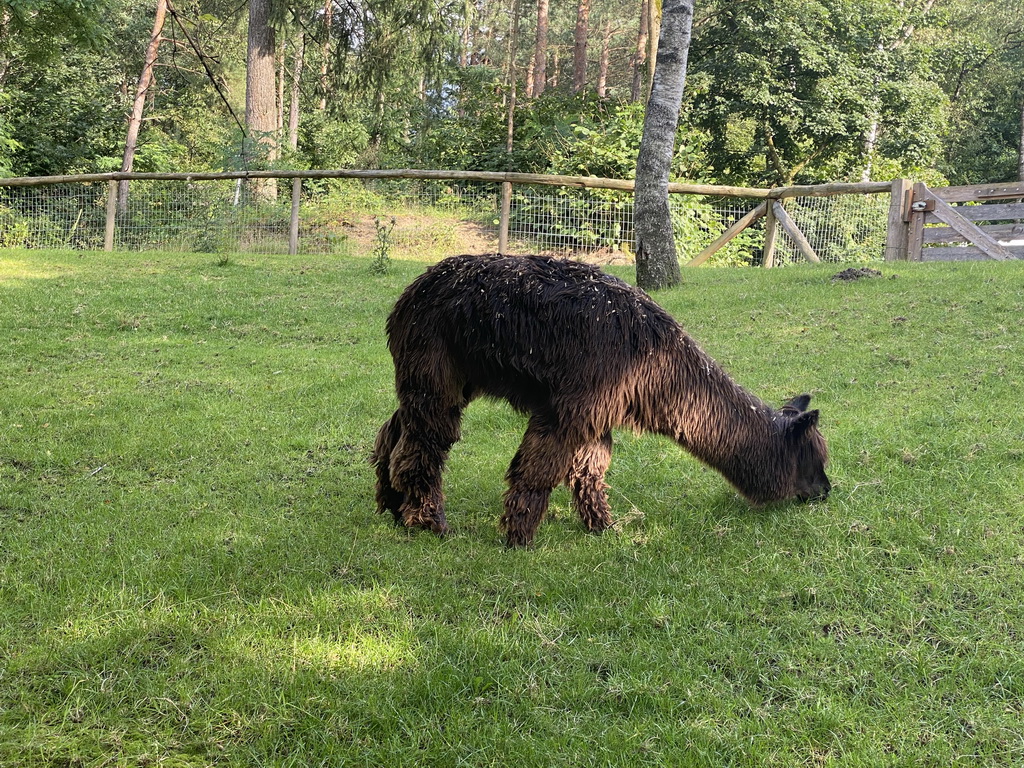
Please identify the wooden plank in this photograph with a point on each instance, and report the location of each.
(293, 222)
(794, 232)
(897, 229)
(737, 226)
(995, 231)
(968, 230)
(589, 182)
(770, 230)
(506, 214)
(1005, 212)
(916, 225)
(829, 190)
(964, 253)
(979, 192)
(108, 228)
(583, 182)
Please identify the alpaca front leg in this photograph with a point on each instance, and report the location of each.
(586, 482)
(540, 464)
(416, 467)
(428, 431)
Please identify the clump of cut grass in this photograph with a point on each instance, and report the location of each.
(192, 571)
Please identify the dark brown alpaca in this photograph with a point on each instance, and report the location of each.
(580, 352)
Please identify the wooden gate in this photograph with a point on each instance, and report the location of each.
(963, 223)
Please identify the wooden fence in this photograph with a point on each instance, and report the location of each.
(942, 224)
(912, 207)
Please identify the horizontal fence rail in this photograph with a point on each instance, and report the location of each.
(577, 216)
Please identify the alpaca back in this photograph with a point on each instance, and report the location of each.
(526, 328)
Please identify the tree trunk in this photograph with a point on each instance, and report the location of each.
(640, 56)
(261, 96)
(465, 57)
(602, 71)
(657, 265)
(870, 139)
(328, 22)
(510, 80)
(281, 76)
(654, 11)
(141, 90)
(540, 50)
(579, 49)
(1020, 146)
(293, 112)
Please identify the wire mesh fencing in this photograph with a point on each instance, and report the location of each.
(431, 218)
(841, 229)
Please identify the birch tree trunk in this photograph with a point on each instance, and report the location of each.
(602, 70)
(657, 265)
(261, 95)
(138, 105)
(1020, 146)
(579, 49)
(870, 140)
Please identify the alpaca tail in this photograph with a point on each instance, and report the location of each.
(389, 499)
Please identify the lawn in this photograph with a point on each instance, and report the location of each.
(192, 571)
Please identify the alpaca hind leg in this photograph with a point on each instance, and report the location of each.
(586, 481)
(389, 498)
(541, 463)
(428, 431)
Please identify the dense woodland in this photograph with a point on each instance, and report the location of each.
(777, 91)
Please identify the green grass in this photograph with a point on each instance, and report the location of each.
(192, 572)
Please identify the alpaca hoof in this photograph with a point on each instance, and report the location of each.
(429, 516)
(598, 525)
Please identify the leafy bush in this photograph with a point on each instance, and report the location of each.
(15, 231)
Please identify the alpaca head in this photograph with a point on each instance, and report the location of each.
(806, 451)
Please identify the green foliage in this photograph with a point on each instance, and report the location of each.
(777, 92)
(981, 66)
(697, 225)
(329, 143)
(15, 231)
(803, 81)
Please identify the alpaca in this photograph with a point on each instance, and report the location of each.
(579, 352)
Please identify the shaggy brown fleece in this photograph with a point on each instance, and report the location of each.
(580, 352)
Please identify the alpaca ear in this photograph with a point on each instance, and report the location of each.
(799, 426)
(798, 403)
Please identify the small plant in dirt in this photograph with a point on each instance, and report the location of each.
(382, 246)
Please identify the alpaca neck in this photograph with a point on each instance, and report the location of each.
(711, 416)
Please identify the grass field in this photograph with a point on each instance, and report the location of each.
(192, 572)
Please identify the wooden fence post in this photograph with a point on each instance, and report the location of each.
(915, 227)
(108, 230)
(737, 227)
(506, 211)
(791, 229)
(770, 227)
(293, 228)
(897, 233)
